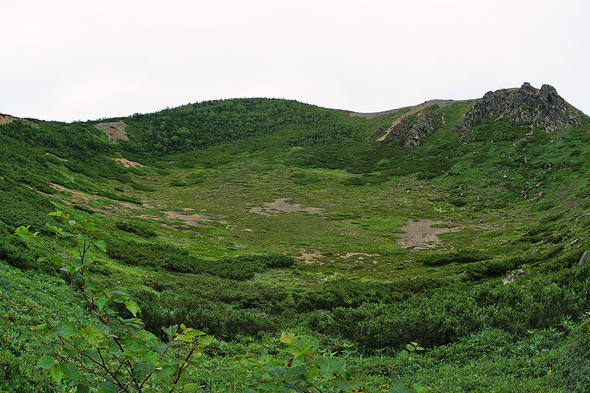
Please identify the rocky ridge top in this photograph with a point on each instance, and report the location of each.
(541, 108)
(418, 122)
(537, 108)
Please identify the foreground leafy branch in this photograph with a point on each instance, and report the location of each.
(100, 350)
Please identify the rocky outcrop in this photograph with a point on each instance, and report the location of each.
(114, 130)
(412, 126)
(413, 129)
(541, 108)
(515, 275)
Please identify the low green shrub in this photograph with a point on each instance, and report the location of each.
(142, 187)
(138, 230)
(173, 259)
(462, 256)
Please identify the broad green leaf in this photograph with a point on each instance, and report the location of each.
(87, 224)
(68, 269)
(276, 373)
(132, 307)
(101, 302)
(90, 286)
(206, 340)
(400, 388)
(82, 236)
(147, 336)
(56, 214)
(65, 329)
(82, 389)
(79, 312)
(109, 387)
(347, 385)
(329, 366)
(72, 222)
(167, 370)
(53, 228)
(56, 374)
(70, 371)
(295, 371)
(93, 335)
(57, 261)
(170, 330)
(101, 245)
(161, 348)
(288, 338)
(22, 230)
(46, 362)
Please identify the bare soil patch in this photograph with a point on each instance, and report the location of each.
(282, 205)
(420, 234)
(75, 196)
(54, 156)
(308, 258)
(128, 163)
(114, 130)
(5, 119)
(194, 220)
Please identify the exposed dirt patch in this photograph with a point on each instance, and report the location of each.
(54, 156)
(194, 220)
(74, 196)
(356, 254)
(128, 163)
(282, 206)
(420, 234)
(114, 130)
(5, 119)
(309, 258)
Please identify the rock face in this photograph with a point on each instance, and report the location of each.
(541, 108)
(412, 126)
(413, 129)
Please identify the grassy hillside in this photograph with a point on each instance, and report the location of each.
(245, 218)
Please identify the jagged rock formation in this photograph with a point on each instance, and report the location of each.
(413, 129)
(412, 126)
(541, 108)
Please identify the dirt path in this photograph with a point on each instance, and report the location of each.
(420, 234)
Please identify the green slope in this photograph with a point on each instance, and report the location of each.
(247, 217)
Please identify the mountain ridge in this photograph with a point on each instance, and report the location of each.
(538, 108)
(246, 218)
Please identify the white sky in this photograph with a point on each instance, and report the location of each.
(78, 59)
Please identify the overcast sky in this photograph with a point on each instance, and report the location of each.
(78, 60)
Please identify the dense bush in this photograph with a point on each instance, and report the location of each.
(462, 256)
(172, 259)
(442, 316)
(138, 230)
